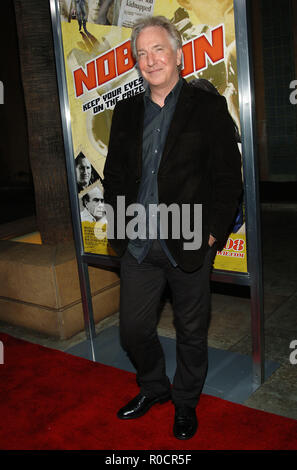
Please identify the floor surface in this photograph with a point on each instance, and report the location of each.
(230, 326)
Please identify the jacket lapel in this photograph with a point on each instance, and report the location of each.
(180, 118)
(137, 130)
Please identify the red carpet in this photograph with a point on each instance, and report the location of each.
(50, 400)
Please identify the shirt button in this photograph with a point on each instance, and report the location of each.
(153, 171)
(156, 151)
(158, 130)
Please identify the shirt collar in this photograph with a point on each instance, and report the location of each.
(173, 93)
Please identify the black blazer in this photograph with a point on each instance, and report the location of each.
(200, 164)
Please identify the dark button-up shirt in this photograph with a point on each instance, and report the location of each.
(156, 124)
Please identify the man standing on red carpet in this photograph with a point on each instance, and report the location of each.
(173, 147)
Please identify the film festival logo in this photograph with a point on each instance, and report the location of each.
(146, 221)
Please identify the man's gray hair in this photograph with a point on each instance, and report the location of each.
(161, 21)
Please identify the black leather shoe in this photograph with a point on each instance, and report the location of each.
(140, 405)
(185, 422)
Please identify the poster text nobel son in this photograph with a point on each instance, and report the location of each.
(119, 60)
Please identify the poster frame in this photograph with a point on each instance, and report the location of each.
(253, 277)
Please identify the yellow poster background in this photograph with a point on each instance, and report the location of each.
(90, 126)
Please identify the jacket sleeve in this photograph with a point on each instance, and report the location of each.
(226, 173)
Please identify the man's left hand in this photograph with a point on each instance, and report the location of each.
(211, 240)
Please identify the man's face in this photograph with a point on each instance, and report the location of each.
(95, 204)
(83, 172)
(157, 58)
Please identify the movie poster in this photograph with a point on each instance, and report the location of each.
(100, 71)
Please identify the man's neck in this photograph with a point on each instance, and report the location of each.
(158, 95)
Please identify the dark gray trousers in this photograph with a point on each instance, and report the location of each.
(142, 286)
